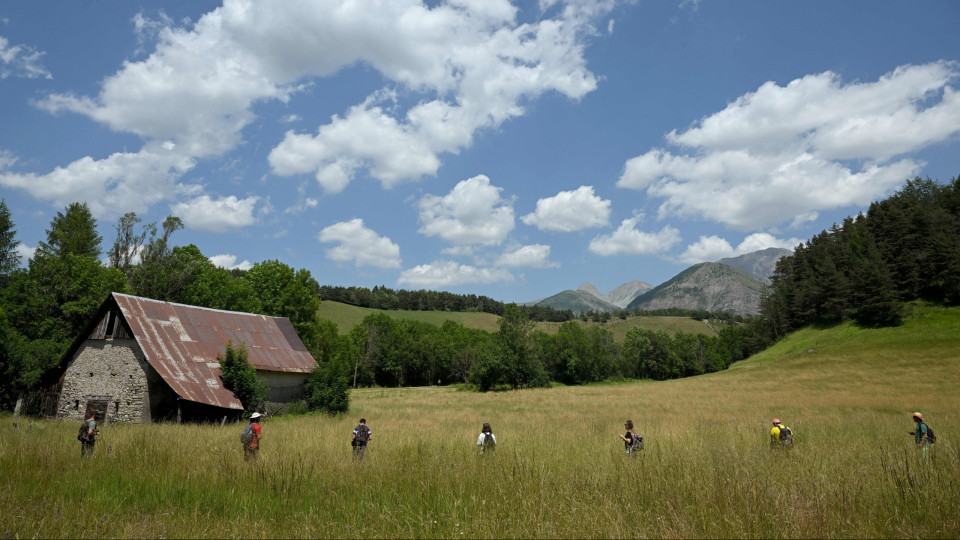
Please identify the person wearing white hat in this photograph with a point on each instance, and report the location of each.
(251, 438)
(922, 435)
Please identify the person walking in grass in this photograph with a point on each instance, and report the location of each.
(487, 441)
(88, 435)
(361, 436)
(780, 435)
(631, 441)
(251, 438)
(923, 435)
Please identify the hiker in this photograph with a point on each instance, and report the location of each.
(487, 441)
(631, 441)
(780, 435)
(87, 435)
(251, 438)
(923, 435)
(361, 436)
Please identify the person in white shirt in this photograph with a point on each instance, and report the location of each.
(487, 441)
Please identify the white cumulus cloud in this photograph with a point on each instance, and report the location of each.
(473, 213)
(25, 252)
(627, 240)
(783, 153)
(360, 244)
(530, 256)
(713, 248)
(206, 214)
(442, 273)
(469, 66)
(229, 262)
(569, 211)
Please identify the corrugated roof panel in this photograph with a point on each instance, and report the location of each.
(182, 344)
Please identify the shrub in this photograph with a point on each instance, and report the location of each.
(240, 377)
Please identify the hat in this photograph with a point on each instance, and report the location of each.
(255, 415)
(776, 421)
(918, 415)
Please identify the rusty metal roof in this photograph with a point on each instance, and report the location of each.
(182, 343)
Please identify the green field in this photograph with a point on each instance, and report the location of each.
(559, 470)
(346, 317)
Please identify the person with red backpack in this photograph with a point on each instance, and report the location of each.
(250, 437)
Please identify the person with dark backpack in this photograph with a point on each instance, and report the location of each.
(487, 441)
(361, 436)
(631, 441)
(780, 435)
(923, 435)
(87, 435)
(250, 438)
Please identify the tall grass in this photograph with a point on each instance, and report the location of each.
(559, 469)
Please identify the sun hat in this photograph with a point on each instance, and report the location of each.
(918, 415)
(776, 421)
(255, 415)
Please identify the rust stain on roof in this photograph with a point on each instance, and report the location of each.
(183, 342)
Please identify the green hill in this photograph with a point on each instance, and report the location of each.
(346, 317)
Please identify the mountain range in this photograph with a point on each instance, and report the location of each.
(733, 285)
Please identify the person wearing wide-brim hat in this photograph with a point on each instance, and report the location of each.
(922, 434)
(250, 450)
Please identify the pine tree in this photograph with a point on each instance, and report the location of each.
(9, 258)
(72, 232)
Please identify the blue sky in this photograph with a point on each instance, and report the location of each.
(475, 146)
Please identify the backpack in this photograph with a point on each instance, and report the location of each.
(930, 436)
(84, 431)
(246, 437)
(363, 435)
(489, 441)
(786, 436)
(637, 442)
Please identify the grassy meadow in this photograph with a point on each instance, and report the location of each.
(346, 317)
(559, 470)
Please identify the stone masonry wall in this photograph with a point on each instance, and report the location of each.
(112, 369)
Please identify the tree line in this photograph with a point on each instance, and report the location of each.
(381, 297)
(905, 248)
(388, 352)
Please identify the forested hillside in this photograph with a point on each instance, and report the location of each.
(904, 248)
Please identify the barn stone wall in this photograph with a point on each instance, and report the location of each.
(111, 369)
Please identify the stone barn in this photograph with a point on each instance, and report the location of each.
(142, 360)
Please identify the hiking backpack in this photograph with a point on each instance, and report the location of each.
(489, 441)
(637, 442)
(246, 437)
(786, 436)
(84, 431)
(363, 435)
(930, 436)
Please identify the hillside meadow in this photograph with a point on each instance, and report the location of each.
(346, 317)
(559, 470)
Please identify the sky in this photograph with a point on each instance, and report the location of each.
(513, 150)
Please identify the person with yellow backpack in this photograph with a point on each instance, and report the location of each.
(780, 435)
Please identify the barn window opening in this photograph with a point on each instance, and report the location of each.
(116, 406)
(91, 374)
(76, 404)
